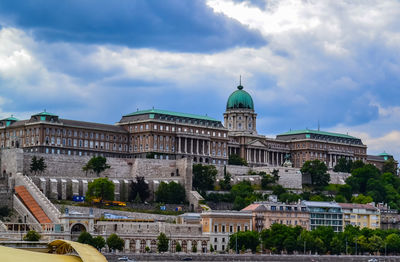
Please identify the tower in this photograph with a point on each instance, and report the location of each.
(239, 115)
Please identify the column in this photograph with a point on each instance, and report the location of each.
(281, 158)
(179, 146)
(267, 157)
(191, 146)
(330, 160)
(197, 147)
(186, 145)
(277, 159)
(203, 149)
(254, 156)
(209, 148)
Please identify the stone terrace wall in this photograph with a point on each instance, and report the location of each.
(288, 177)
(71, 166)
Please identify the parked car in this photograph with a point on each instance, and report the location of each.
(126, 259)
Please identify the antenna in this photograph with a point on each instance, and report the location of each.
(240, 80)
(318, 124)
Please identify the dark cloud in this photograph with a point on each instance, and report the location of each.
(188, 26)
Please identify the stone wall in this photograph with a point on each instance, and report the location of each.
(288, 177)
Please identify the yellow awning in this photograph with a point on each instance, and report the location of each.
(86, 252)
(8, 254)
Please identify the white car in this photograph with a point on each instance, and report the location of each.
(126, 259)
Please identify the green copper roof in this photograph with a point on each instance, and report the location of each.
(170, 113)
(384, 154)
(315, 132)
(10, 119)
(44, 113)
(240, 99)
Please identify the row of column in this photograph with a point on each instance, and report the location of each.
(261, 156)
(334, 158)
(194, 146)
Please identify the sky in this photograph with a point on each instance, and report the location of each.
(304, 62)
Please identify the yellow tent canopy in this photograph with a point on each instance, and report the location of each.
(8, 254)
(66, 251)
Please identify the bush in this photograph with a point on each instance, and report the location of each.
(32, 235)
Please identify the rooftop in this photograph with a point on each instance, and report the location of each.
(320, 204)
(44, 113)
(171, 113)
(11, 118)
(357, 206)
(316, 132)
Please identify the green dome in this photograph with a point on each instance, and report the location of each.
(240, 99)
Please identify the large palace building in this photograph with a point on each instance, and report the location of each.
(169, 135)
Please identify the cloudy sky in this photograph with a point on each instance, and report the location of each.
(303, 61)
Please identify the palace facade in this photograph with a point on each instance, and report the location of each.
(164, 134)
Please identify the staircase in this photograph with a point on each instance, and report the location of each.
(35, 201)
(32, 205)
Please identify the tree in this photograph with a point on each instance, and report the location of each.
(98, 242)
(194, 248)
(242, 194)
(140, 188)
(360, 176)
(178, 247)
(204, 177)
(32, 235)
(85, 238)
(225, 184)
(266, 181)
(246, 239)
(392, 242)
(390, 166)
(343, 165)
(114, 242)
(37, 165)
(171, 193)
(100, 188)
(96, 164)
(236, 160)
(162, 243)
(361, 199)
(317, 170)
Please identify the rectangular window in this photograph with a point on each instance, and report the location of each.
(215, 228)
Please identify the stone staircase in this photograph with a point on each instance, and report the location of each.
(42, 201)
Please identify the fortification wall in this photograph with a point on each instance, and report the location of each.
(288, 177)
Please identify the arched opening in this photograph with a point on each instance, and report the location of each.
(77, 229)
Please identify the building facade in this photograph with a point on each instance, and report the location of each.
(219, 225)
(265, 214)
(362, 215)
(325, 214)
(164, 134)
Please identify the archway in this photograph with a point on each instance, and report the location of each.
(77, 228)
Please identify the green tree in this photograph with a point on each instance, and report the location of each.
(392, 242)
(98, 242)
(346, 191)
(204, 177)
(290, 244)
(236, 160)
(317, 170)
(225, 184)
(162, 243)
(357, 164)
(246, 239)
(114, 242)
(85, 238)
(139, 188)
(100, 188)
(266, 181)
(37, 165)
(96, 164)
(32, 235)
(337, 245)
(242, 193)
(360, 176)
(178, 247)
(343, 165)
(390, 166)
(361, 199)
(171, 193)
